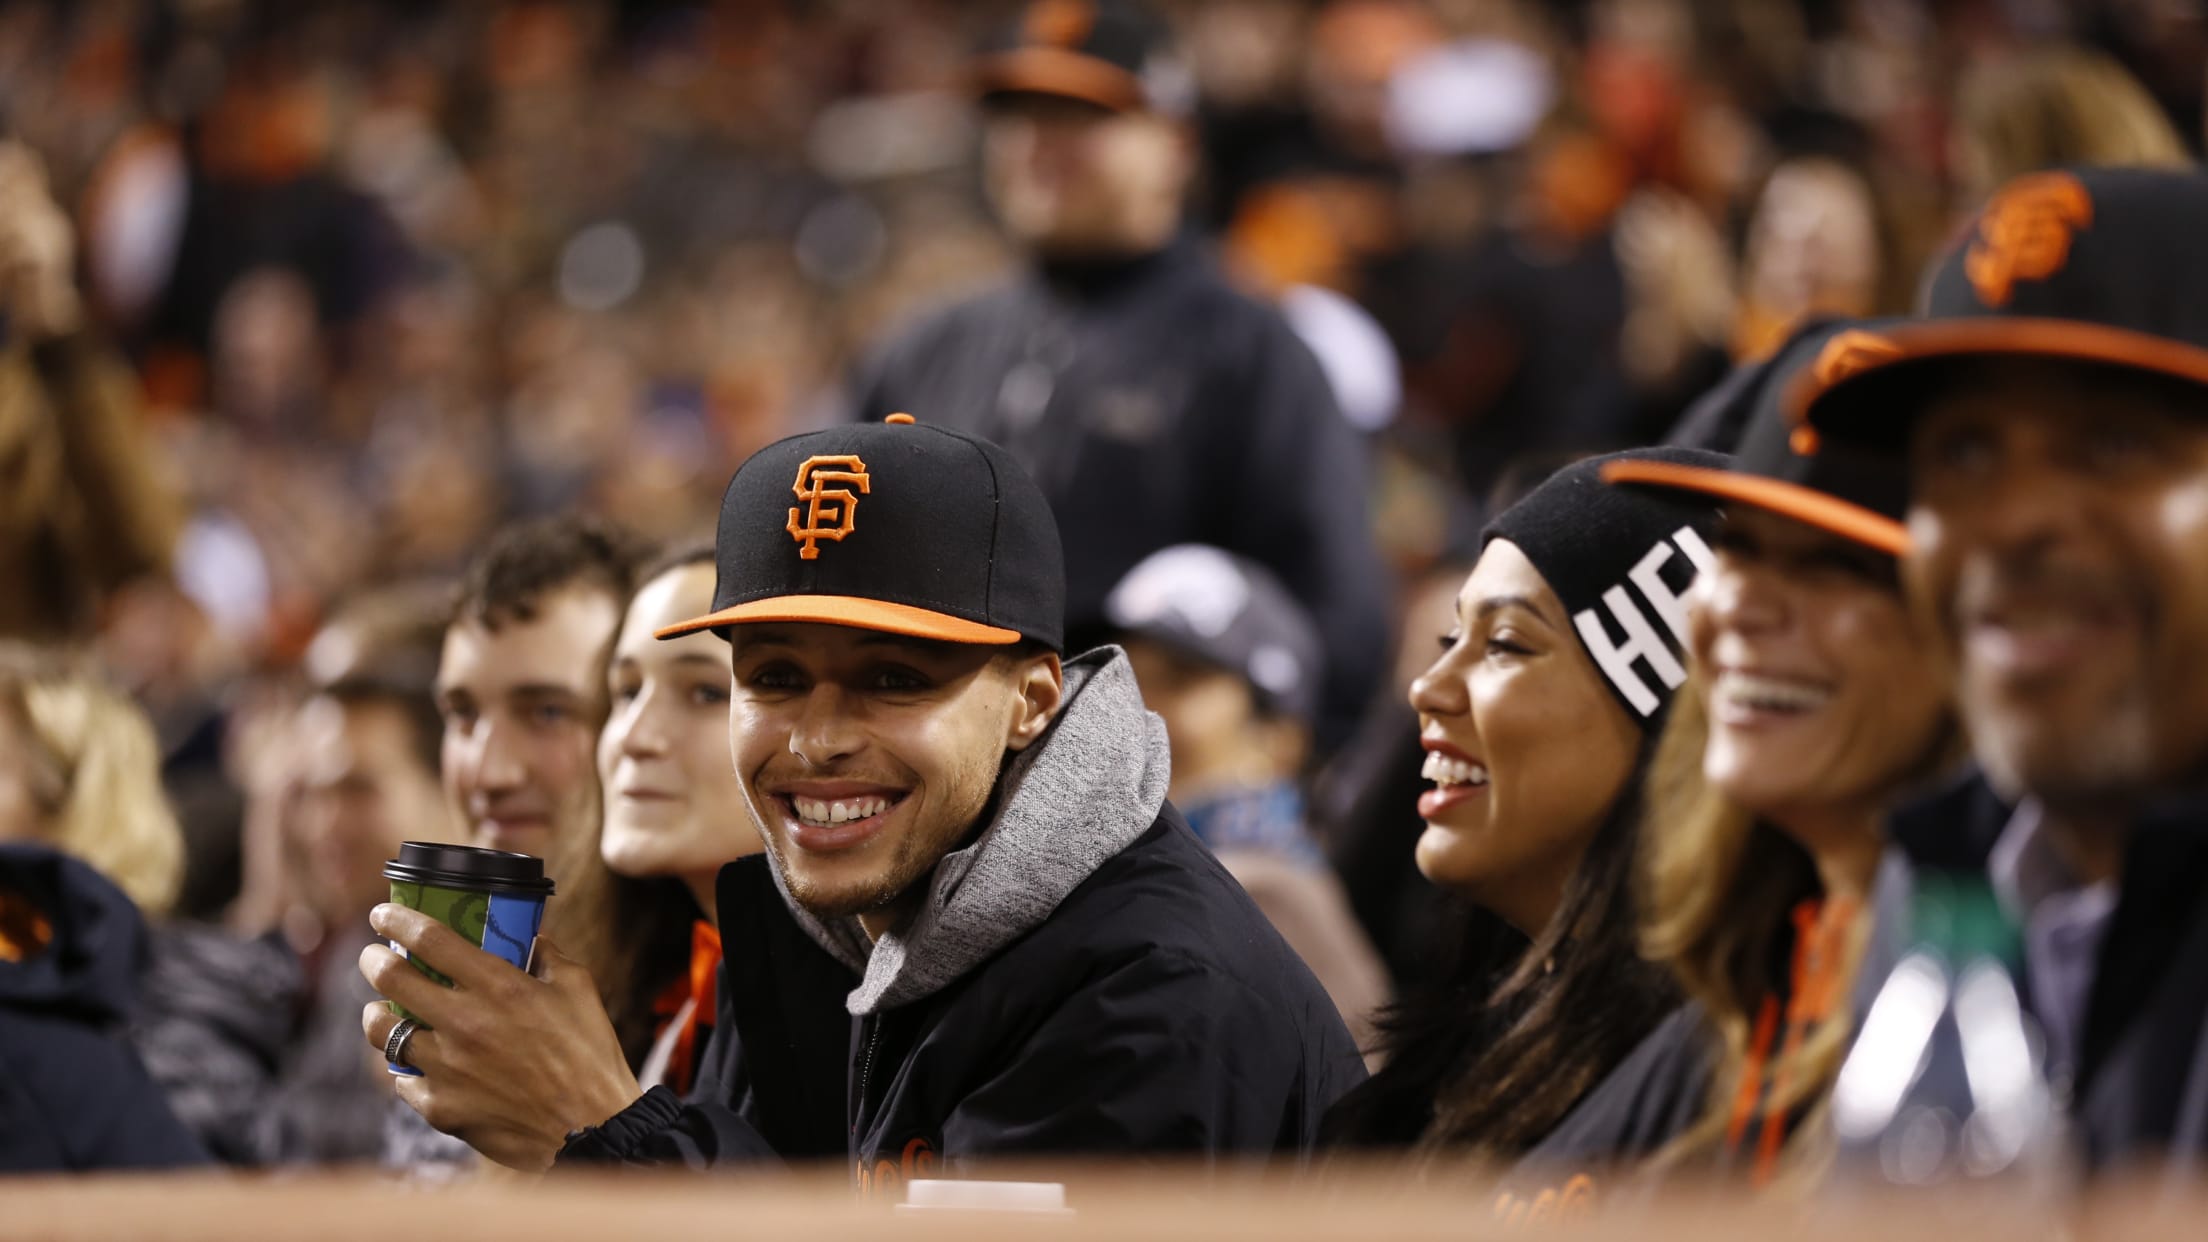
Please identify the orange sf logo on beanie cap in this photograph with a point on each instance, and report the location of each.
(830, 511)
(2025, 234)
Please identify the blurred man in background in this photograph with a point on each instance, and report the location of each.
(285, 1083)
(1153, 403)
(367, 770)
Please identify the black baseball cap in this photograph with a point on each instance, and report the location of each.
(1111, 54)
(2098, 266)
(1841, 489)
(890, 526)
(1227, 611)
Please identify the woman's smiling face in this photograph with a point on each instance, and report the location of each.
(673, 804)
(1825, 695)
(1526, 746)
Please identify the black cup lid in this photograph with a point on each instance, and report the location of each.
(466, 866)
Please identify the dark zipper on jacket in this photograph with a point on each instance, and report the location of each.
(866, 1070)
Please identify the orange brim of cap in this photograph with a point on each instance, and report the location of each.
(1056, 71)
(1803, 504)
(850, 610)
(1852, 355)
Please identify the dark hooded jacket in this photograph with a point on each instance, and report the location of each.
(73, 1095)
(1084, 977)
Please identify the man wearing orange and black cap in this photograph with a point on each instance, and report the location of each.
(1153, 403)
(979, 929)
(2052, 406)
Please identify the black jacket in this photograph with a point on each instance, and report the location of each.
(1152, 1011)
(1156, 405)
(1652, 1097)
(1663, 1088)
(2139, 1094)
(73, 1095)
(2141, 1091)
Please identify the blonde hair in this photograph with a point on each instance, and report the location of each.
(95, 774)
(1720, 889)
(2061, 105)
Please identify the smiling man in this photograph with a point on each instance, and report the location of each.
(2053, 408)
(979, 930)
(520, 683)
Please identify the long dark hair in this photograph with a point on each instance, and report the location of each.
(632, 933)
(634, 936)
(1488, 1058)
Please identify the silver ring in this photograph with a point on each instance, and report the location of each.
(394, 1047)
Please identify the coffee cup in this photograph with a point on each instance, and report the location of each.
(493, 898)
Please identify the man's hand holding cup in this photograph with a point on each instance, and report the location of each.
(511, 1061)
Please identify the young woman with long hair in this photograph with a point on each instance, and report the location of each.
(1538, 720)
(643, 917)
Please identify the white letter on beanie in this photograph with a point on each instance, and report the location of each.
(1665, 601)
(1690, 542)
(1641, 643)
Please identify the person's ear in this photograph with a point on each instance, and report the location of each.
(1040, 690)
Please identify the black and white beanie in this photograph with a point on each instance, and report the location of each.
(1620, 559)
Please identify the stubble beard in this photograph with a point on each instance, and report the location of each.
(907, 867)
(911, 863)
(2077, 767)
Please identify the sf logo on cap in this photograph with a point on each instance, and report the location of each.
(829, 508)
(2024, 234)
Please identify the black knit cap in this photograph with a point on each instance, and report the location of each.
(2100, 267)
(889, 526)
(1842, 489)
(1620, 559)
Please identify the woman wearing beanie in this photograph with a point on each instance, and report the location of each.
(1812, 705)
(1538, 719)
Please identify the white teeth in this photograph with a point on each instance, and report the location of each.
(1754, 692)
(824, 814)
(1444, 769)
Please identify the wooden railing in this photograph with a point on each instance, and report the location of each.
(1143, 1205)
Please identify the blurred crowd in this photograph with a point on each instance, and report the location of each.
(304, 301)
(388, 274)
